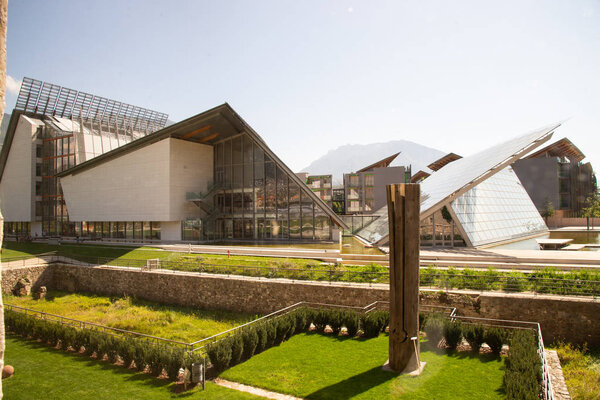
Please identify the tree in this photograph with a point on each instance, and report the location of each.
(3, 19)
(592, 206)
(547, 210)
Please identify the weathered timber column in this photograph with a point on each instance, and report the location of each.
(403, 209)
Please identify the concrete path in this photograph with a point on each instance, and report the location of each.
(254, 390)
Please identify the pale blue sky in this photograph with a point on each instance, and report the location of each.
(313, 75)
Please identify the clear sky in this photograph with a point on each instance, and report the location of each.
(310, 76)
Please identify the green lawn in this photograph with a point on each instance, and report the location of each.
(185, 324)
(42, 372)
(325, 367)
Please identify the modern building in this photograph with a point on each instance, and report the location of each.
(320, 184)
(556, 174)
(365, 189)
(76, 164)
(475, 201)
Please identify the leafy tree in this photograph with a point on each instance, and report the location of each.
(547, 210)
(592, 208)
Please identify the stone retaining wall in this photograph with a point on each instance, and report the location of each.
(39, 275)
(575, 319)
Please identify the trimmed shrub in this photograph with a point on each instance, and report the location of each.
(452, 333)
(261, 334)
(127, 351)
(320, 319)
(370, 324)
(434, 329)
(250, 338)
(383, 318)
(351, 322)
(282, 327)
(291, 321)
(271, 327)
(335, 321)
(523, 372)
(302, 322)
(154, 360)
(495, 338)
(140, 354)
(219, 354)
(237, 348)
(68, 338)
(475, 335)
(172, 361)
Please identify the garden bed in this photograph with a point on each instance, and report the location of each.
(184, 324)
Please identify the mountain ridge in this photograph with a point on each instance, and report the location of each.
(352, 157)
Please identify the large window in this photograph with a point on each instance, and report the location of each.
(256, 199)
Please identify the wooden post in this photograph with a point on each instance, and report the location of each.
(404, 219)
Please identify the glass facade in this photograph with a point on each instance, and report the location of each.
(256, 199)
(498, 209)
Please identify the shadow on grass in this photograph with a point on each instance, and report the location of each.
(82, 252)
(355, 385)
(125, 373)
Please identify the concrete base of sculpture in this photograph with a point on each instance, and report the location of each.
(414, 372)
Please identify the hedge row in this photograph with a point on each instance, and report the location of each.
(438, 327)
(258, 337)
(129, 349)
(523, 373)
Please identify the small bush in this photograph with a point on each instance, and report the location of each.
(154, 360)
(261, 334)
(219, 354)
(140, 356)
(250, 338)
(172, 362)
(434, 329)
(495, 338)
(237, 348)
(335, 321)
(271, 327)
(370, 325)
(320, 319)
(127, 351)
(302, 322)
(351, 322)
(452, 333)
(475, 335)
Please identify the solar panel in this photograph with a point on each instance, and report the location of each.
(49, 99)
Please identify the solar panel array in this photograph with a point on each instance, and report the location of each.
(49, 99)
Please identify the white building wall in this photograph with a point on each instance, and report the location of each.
(191, 171)
(17, 189)
(149, 184)
(133, 187)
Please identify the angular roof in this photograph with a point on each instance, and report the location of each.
(440, 162)
(380, 164)
(419, 176)
(562, 148)
(208, 127)
(460, 176)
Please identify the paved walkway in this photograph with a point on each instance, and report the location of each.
(254, 390)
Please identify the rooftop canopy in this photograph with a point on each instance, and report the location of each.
(562, 148)
(459, 177)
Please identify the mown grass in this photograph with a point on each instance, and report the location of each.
(326, 367)
(184, 324)
(581, 369)
(42, 372)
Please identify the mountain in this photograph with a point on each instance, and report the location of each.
(352, 157)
